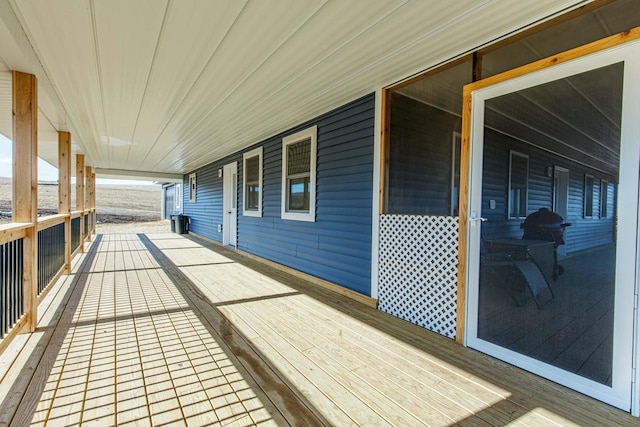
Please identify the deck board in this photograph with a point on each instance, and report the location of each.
(163, 329)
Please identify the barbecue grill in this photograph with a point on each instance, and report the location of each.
(547, 226)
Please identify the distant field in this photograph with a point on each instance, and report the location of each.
(114, 203)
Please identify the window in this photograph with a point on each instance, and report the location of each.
(192, 188)
(588, 196)
(299, 175)
(178, 195)
(518, 184)
(252, 178)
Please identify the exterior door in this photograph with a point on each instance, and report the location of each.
(230, 202)
(573, 324)
(561, 201)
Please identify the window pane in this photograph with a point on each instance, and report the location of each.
(252, 196)
(298, 194)
(253, 168)
(299, 157)
(518, 186)
(588, 196)
(603, 198)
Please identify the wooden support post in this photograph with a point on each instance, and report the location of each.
(64, 192)
(25, 184)
(88, 198)
(80, 190)
(93, 202)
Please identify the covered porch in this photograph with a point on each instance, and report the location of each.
(161, 329)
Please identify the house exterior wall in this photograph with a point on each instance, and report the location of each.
(337, 246)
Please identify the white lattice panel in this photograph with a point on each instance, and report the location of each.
(418, 273)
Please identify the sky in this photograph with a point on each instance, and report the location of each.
(46, 172)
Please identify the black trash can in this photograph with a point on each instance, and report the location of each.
(182, 224)
(173, 220)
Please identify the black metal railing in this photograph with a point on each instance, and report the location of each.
(86, 225)
(11, 301)
(75, 233)
(50, 254)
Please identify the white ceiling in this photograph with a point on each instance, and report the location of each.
(157, 87)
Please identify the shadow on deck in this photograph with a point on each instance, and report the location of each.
(163, 329)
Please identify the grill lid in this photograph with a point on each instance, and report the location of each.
(544, 218)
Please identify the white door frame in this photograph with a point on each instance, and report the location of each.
(230, 204)
(620, 393)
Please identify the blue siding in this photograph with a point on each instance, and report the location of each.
(337, 247)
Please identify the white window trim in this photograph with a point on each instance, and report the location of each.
(193, 188)
(510, 215)
(245, 156)
(310, 133)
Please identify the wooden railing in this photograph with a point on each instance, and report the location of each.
(51, 247)
(54, 253)
(12, 318)
(11, 276)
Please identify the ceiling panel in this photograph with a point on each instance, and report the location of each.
(174, 85)
(126, 35)
(191, 34)
(257, 33)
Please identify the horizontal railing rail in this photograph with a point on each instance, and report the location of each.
(13, 231)
(51, 220)
(76, 214)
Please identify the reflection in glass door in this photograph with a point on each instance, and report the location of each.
(553, 302)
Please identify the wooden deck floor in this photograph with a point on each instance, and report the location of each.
(167, 330)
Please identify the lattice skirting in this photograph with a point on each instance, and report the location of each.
(418, 270)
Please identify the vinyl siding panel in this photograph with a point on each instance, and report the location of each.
(337, 246)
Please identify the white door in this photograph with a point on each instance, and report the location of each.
(230, 204)
(561, 200)
(576, 330)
